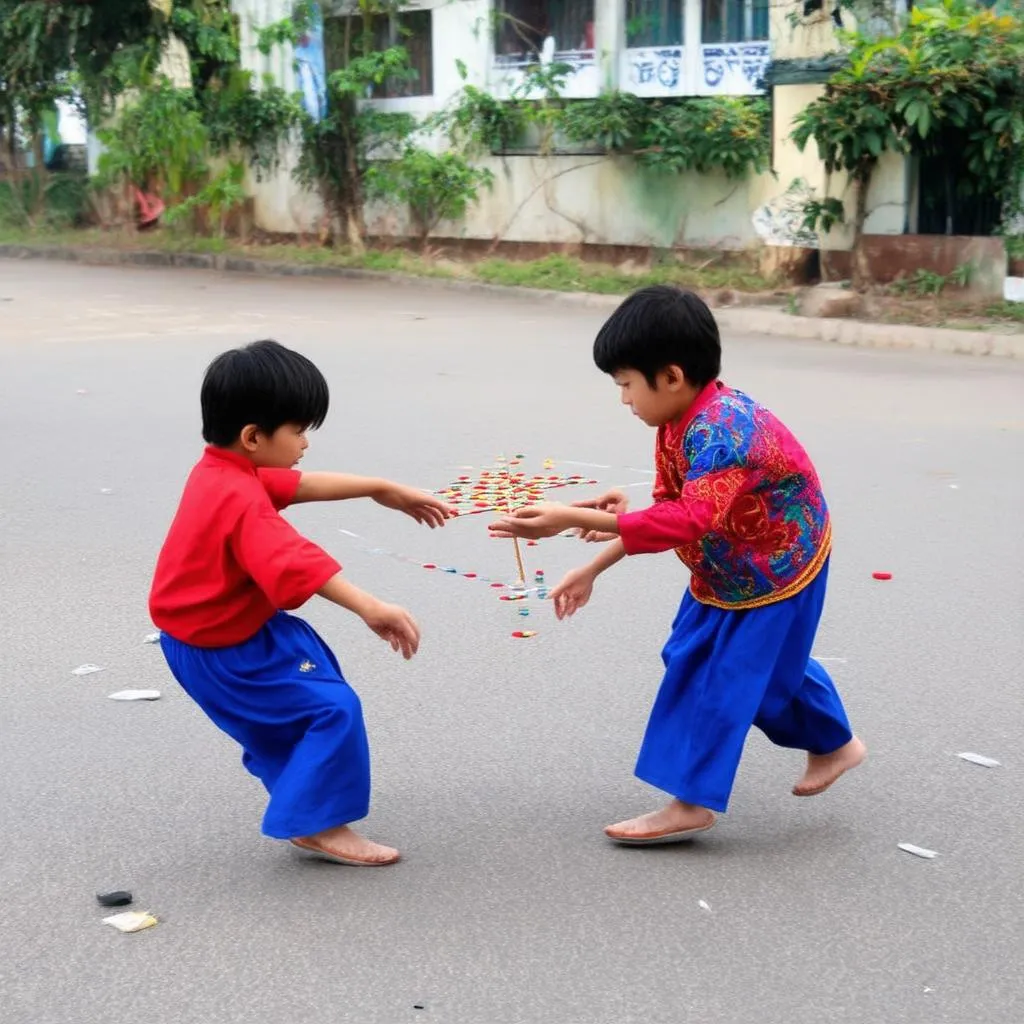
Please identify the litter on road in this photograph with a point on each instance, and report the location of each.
(118, 898)
(131, 921)
(985, 762)
(918, 851)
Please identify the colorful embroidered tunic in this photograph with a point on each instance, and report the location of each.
(738, 499)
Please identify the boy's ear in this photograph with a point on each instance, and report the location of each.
(249, 437)
(673, 377)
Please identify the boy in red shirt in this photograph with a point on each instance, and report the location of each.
(230, 570)
(739, 501)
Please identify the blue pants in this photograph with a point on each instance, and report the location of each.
(726, 671)
(281, 695)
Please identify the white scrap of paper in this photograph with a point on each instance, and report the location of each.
(131, 921)
(86, 670)
(135, 695)
(918, 851)
(704, 905)
(151, 638)
(985, 762)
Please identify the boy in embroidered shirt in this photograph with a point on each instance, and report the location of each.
(740, 502)
(229, 571)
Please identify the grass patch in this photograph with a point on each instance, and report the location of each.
(949, 311)
(553, 273)
(1011, 312)
(570, 274)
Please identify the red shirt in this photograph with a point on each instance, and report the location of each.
(230, 562)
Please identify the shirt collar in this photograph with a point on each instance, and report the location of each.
(704, 398)
(212, 455)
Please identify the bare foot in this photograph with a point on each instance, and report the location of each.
(824, 769)
(343, 845)
(674, 822)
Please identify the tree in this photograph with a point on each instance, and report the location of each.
(950, 81)
(435, 187)
(354, 153)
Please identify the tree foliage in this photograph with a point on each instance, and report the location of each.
(434, 186)
(728, 135)
(951, 80)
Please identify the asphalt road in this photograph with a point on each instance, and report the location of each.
(496, 760)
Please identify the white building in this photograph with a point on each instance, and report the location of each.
(653, 48)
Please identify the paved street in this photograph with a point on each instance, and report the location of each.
(497, 761)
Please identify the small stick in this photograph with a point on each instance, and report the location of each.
(515, 540)
(519, 562)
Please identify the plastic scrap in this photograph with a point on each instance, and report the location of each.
(151, 638)
(135, 695)
(119, 898)
(704, 905)
(985, 762)
(131, 921)
(918, 851)
(86, 670)
(881, 575)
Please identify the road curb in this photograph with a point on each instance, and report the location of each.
(742, 319)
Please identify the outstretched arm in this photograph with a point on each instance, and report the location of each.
(547, 520)
(337, 487)
(420, 505)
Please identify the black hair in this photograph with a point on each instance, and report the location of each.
(263, 383)
(657, 327)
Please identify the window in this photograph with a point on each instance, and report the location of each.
(526, 30)
(654, 23)
(414, 31)
(734, 21)
(411, 29)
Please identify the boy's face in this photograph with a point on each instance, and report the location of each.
(280, 450)
(659, 405)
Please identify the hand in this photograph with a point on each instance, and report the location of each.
(396, 625)
(531, 523)
(573, 592)
(615, 502)
(424, 508)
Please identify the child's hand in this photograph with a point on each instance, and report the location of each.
(424, 508)
(573, 592)
(615, 502)
(531, 523)
(396, 625)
